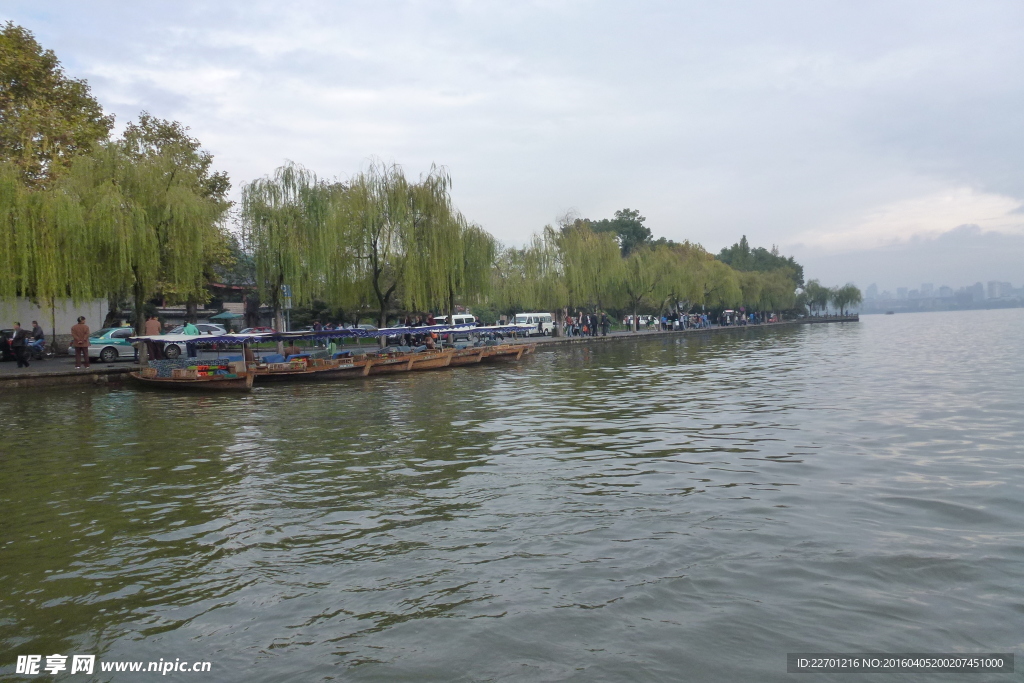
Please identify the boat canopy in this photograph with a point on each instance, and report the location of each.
(346, 333)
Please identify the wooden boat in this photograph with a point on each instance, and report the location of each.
(322, 371)
(431, 360)
(241, 383)
(508, 352)
(468, 356)
(406, 362)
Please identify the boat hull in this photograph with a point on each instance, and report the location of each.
(508, 352)
(243, 383)
(320, 374)
(432, 360)
(389, 365)
(468, 356)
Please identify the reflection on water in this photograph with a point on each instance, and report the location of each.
(646, 510)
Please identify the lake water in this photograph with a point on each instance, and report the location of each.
(677, 508)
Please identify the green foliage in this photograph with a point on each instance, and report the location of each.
(645, 277)
(46, 118)
(741, 257)
(285, 225)
(628, 227)
(845, 296)
(816, 296)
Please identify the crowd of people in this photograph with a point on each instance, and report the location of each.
(587, 325)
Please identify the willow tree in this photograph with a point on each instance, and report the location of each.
(403, 238)
(115, 222)
(751, 285)
(547, 289)
(42, 241)
(510, 287)
(842, 297)
(777, 290)
(591, 263)
(817, 295)
(447, 257)
(719, 285)
(683, 286)
(470, 280)
(644, 277)
(286, 225)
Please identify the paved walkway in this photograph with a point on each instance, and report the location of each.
(61, 369)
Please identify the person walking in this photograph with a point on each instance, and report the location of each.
(80, 342)
(18, 345)
(152, 327)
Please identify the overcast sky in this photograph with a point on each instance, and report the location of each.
(841, 132)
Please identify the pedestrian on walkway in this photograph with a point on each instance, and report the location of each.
(18, 345)
(152, 327)
(191, 349)
(605, 324)
(80, 341)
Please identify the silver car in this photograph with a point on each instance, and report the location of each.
(175, 348)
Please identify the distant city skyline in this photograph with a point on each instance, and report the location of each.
(992, 289)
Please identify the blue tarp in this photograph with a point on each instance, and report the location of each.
(333, 334)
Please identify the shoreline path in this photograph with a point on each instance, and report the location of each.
(60, 370)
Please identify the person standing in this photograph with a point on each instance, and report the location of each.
(152, 326)
(605, 324)
(80, 342)
(18, 345)
(190, 329)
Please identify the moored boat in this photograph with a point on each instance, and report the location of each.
(468, 356)
(433, 359)
(238, 373)
(508, 352)
(318, 369)
(241, 382)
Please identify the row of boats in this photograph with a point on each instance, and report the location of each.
(240, 373)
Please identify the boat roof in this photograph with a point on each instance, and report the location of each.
(328, 334)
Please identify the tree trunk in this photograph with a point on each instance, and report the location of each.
(53, 325)
(112, 311)
(278, 323)
(139, 322)
(636, 322)
(451, 305)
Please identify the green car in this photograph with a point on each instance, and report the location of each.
(110, 344)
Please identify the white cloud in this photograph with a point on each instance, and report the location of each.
(837, 126)
(921, 217)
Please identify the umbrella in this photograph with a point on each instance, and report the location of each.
(227, 315)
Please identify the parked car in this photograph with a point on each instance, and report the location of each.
(110, 344)
(204, 328)
(6, 352)
(258, 330)
(173, 349)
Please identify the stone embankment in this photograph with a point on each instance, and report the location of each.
(61, 370)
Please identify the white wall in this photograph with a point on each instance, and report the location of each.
(65, 312)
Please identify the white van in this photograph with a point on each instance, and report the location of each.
(542, 323)
(460, 320)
